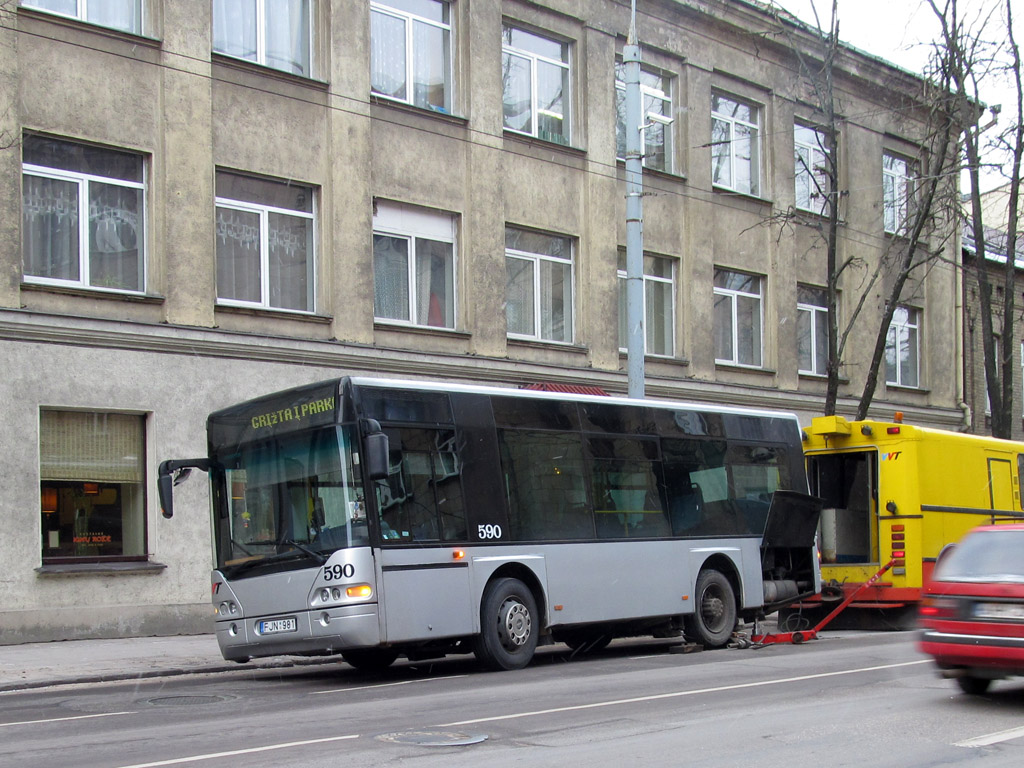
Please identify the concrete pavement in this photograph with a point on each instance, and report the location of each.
(37, 665)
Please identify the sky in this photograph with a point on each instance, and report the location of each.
(900, 31)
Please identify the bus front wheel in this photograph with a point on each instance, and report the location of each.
(508, 625)
(714, 616)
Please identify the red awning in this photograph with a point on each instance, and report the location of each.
(570, 389)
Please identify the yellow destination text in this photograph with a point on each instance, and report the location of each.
(294, 413)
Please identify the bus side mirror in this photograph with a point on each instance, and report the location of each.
(163, 488)
(172, 472)
(376, 451)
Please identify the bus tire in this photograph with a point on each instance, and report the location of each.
(370, 659)
(714, 617)
(508, 626)
(973, 686)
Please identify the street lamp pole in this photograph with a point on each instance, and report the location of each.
(634, 212)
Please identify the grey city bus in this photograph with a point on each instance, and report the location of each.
(376, 518)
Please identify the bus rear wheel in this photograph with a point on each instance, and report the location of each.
(370, 659)
(973, 686)
(714, 617)
(508, 626)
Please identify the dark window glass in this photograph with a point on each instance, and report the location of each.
(689, 423)
(543, 477)
(82, 158)
(422, 500)
(273, 194)
(533, 413)
(408, 406)
(626, 491)
(619, 419)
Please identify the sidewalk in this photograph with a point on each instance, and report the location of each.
(37, 665)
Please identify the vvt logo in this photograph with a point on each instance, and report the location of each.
(892, 456)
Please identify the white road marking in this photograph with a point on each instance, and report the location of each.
(65, 719)
(387, 685)
(237, 752)
(991, 738)
(677, 694)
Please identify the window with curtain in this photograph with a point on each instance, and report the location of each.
(735, 148)
(274, 33)
(901, 348)
(411, 52)
(83, 215)
(812, 330)
(811, 175)
(265, 243)
(897, 176)
(737, 318)
(413, 265)
(659, 304)
(539, 294)
(535, 85)
(92, 481)
(125, 15)
(656, 95)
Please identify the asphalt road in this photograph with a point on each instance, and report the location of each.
(848, 699)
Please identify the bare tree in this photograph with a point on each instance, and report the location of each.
(973, 55)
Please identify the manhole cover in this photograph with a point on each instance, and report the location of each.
(433, 738)
(186, 701)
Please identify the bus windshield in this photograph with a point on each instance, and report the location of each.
(290, 501)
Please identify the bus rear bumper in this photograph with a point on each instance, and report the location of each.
(319, 632)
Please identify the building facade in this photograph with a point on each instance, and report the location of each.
(202, 201)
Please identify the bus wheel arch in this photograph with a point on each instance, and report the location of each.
(716, 608)
(509, 624)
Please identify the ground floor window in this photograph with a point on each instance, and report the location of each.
(92, 486)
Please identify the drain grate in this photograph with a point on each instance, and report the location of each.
(433, 738)
(186, 701)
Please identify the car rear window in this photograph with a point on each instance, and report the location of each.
(985, 556)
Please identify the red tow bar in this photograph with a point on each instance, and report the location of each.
(812, 634)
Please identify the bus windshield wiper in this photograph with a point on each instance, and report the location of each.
(318, 556)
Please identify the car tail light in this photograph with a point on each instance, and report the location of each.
(938, 608)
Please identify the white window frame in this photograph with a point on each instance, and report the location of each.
(656, 280)
(409, 20)
(897, 327)
(733, 296)
(533, 59)
(264, 211)
(536, 259)
(82, 13)
(814, 311)
(897, 192)
(755, 143)
(648, 92)
(83, 180)
(815, 167)
(412, 224)
(261, 39)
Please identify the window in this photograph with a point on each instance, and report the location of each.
(535, 82)
(125, 15)
(812, 330)
(539, 286)
(624, 485)
(84, 215)
(737, 318)
(901, 345)
(896, 193)
(413, 266)
(265, 250)
(735, 162)
(411, 52)
(810, 154)
(659, 304)
(274, 33)
(656, 94)
(92, 486)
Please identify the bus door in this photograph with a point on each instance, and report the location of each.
(848, 483)
(1000, 484)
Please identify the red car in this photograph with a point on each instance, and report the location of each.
(972, 614)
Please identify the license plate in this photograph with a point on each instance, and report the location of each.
(1004, 611)
(273, 626)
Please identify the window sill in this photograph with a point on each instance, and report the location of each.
(283, 314)
(905, 388)
(252, 67)
(742, 195)
(93, 293)
(656, 172)
(379, 100)
(657, 359)
(559, 346)
(719, 365)
(135, 38)
(537, 142)
(101, 569)
(384, 325)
